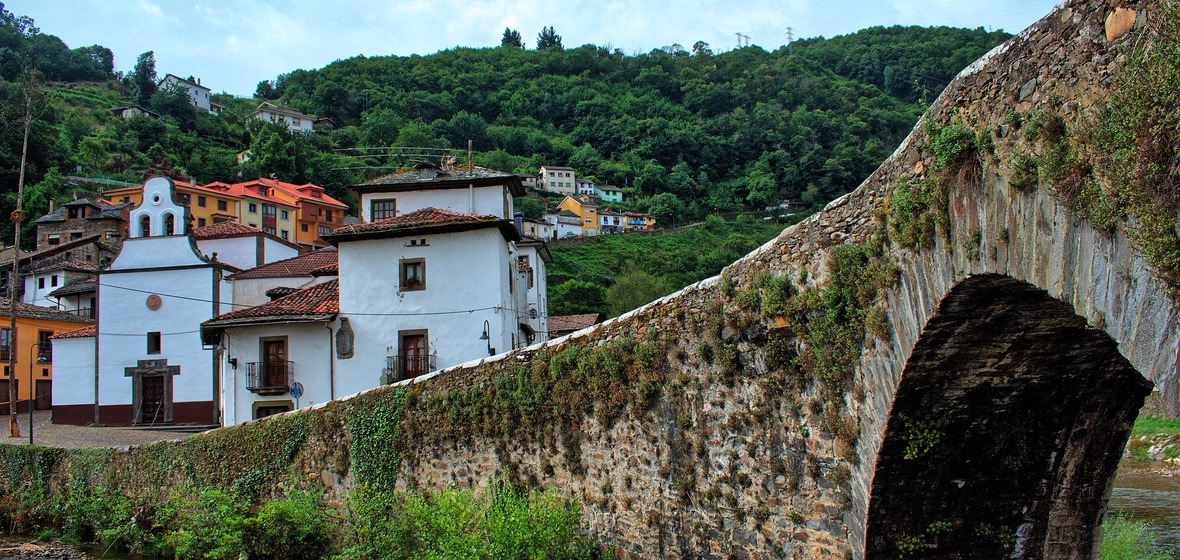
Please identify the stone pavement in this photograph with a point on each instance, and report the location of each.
(46, 433)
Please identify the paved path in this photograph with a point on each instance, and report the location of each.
(46, 433)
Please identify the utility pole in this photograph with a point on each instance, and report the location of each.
(790, 38)
(17, 217)
(740, 38)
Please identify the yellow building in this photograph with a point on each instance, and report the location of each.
(634, 221)
(260, 208)
(207, 204)
(586, 208)
(34, 326)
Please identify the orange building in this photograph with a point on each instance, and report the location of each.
(262, 209)
(316, 213)
(34, 326)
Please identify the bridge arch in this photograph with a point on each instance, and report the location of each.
(1005, 431)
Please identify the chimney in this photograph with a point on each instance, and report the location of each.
(518, 217)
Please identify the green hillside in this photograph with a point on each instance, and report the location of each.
(689, 131)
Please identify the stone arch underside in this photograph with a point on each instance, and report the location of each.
(1005, 432)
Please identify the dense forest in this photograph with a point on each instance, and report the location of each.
(688, 132)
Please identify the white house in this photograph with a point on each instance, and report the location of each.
(198, 93)
(539, 229)
(610, 221)
(143, 363)
(558, 179)
(585, 187)
(46, 277)
(241, 246)
(293, 119)
(566, 224)
(419, 288)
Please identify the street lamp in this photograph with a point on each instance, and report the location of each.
(487, 328)
(41, 359)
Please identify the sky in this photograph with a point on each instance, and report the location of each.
(231, 45)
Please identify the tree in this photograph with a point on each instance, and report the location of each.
(173, 101)
(512, 39)
(265, 90)
(634, 288)
(531, 207)
(104, 59)
(702, 49)
(143, 77)
(666, 207)
(548, 39)
(574, 297)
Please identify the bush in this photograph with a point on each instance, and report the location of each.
(1124, 538)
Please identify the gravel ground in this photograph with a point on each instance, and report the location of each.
(46, 433)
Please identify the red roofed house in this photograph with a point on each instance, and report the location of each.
(316, 213)
(254, 286)
(420, 288)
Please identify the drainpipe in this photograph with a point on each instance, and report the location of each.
(217, 272)
(331, 365)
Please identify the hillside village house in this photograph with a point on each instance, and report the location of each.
(42, 280)
(634, 221)
(207, 204)
(316, 213)
(586, 209)
(565, 224)
(262, 284)
(198, 93)
(558, 179)
(33, 351)
(241, 246)
(82, 218)
(607, 193)
(610, 222)
(145, 364)
(585, 187)
(464, 285)
(538, 229)
(294, 120)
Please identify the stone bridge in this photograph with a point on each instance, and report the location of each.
(944, 363)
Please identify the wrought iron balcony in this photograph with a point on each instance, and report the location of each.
(269, 378)
(399, 367)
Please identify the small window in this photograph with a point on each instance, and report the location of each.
(283, 234)
(382, 209)
(328, 215)
(201, 201)
(153, 343)
(252, 208)
(126, 199)
(222, 205)
(75, 235)
(284, 215)
(200, 222)
(53, 280)
(45, 346)
(413, 274)
(41, 283)
(268, 229)
(303, 228)
(324, 230)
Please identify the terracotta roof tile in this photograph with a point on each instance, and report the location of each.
(84, 332)
(565, 324)
(302, 265)
(327, 270)
(317, 303)
(29, 311)
(421, 221)
(458, 173)
(223, 230)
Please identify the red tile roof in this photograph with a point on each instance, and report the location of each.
(303, 265)
(560, 325)
(327, 270)
(223, 230)
(84, 332)
(30, 311)
(317, 303)
(305, 191)
(426, 220)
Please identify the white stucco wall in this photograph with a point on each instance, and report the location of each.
(479, 200)
(40, 296)
(73, 371)
(464, 271)
(155, 252)
(252, 291)
(309, 349)
(125, 320)
(242, 252)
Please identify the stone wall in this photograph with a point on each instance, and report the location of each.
(695, 426)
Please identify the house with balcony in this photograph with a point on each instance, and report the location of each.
(47, 275)
(557, 179)
(262, 209)
(33, 351)
(316, 213)
(635, 221)
(145, 364)
(463, 285)
(610, 221)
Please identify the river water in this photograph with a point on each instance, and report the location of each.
(1151, 494)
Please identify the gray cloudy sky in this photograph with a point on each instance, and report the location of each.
(233, 44)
